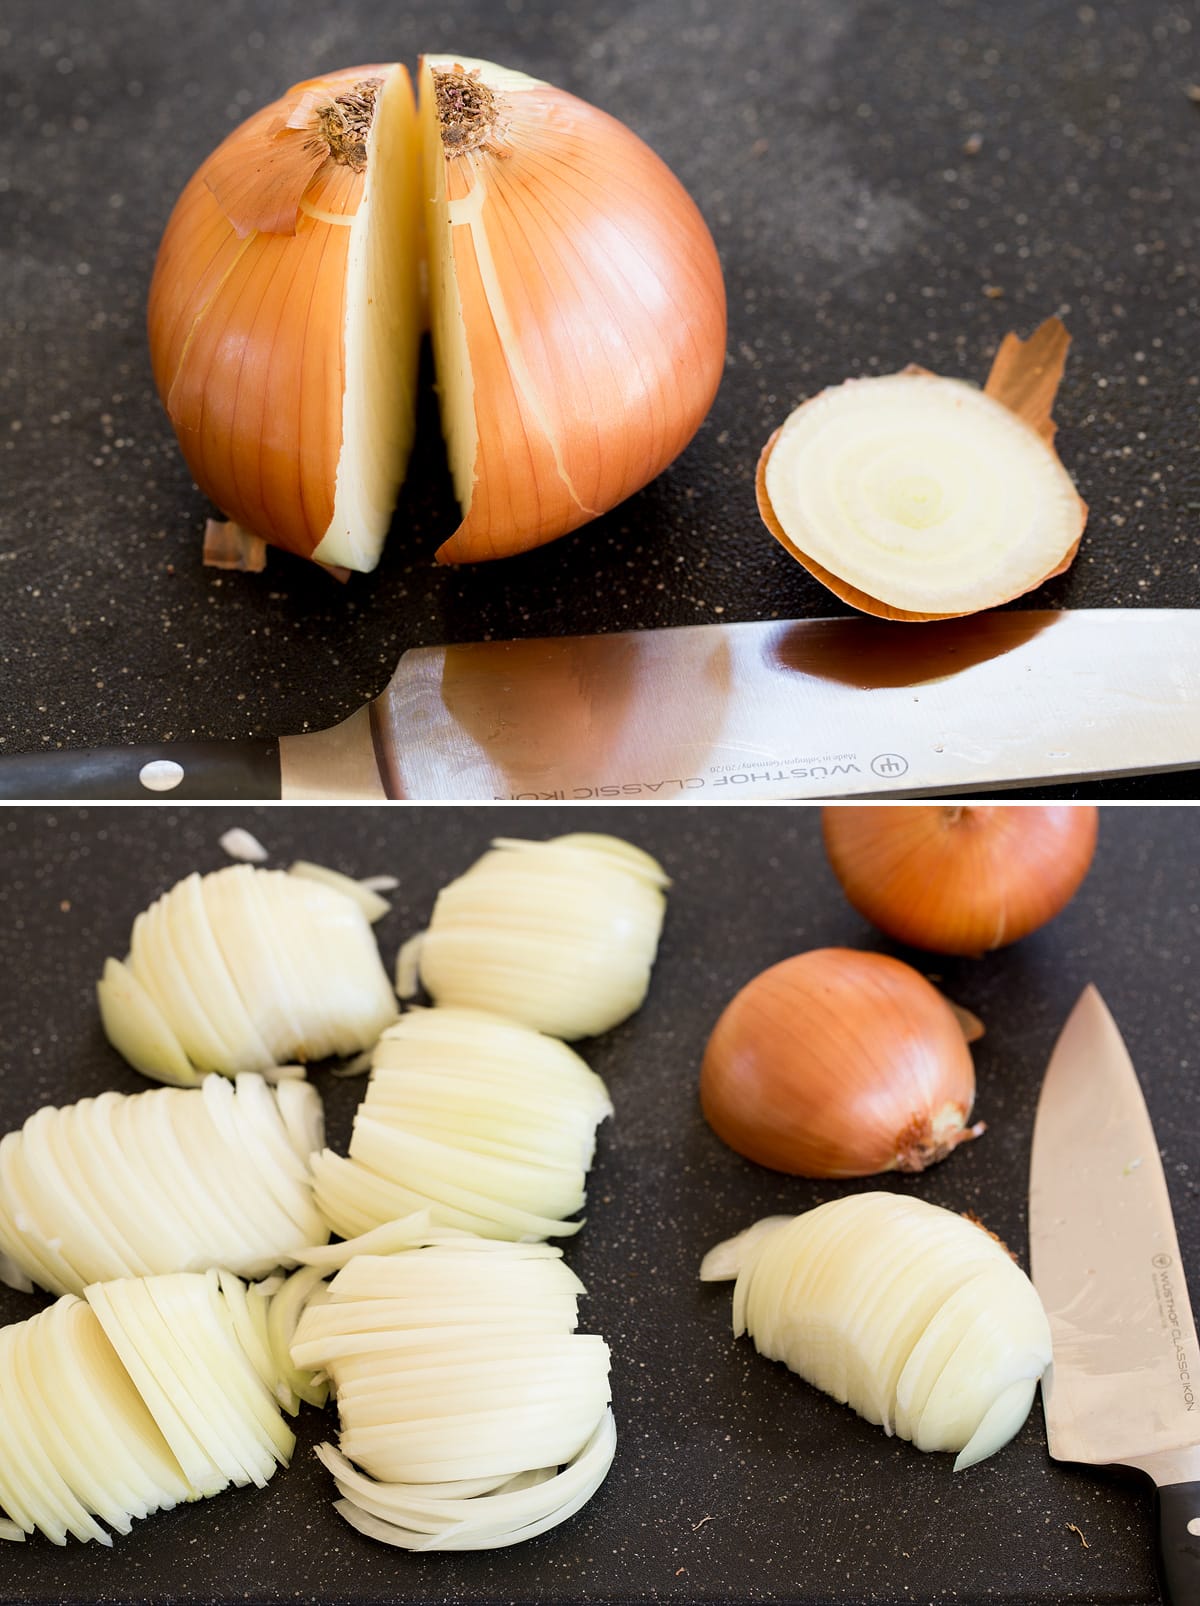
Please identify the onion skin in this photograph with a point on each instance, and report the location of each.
(839, 1064)
(956, 879)
(246, 323)
(608, 283)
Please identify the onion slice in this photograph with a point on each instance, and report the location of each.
(917, 497)
(917, 1318)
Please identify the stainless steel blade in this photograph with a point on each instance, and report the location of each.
(1126, 1374)
(827, 708)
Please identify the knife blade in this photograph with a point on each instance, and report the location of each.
(815, 709)
(1124, 1385)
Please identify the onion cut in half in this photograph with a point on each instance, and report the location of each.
(174, 1179)
(917, 1318)
(246, 970)
(917, 497)
(484, 1124)
(285, 315)
(559, 935)
(472, 1414)
(576, 300)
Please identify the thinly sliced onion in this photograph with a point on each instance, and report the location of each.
(559, 935)
(917, 1318)
(247, 970)
(168, 1180)
(488, 1125)
(76, 1439)
(462, 1390)
(372, 905)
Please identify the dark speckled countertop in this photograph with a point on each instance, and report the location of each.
(886, 182)
(733, 1481)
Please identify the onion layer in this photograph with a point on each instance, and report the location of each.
(960, 880)
(560, 935)
(126, 1185)
(915, 497)
(918, 1319)
(839, 1064)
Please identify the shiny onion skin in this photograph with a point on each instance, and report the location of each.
(839, 1064)
(247, 315)
(592, 306)
(960, 879)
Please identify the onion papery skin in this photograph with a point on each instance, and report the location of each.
(592, 308)
(247, 322)
(839, 1064)
(918, 1319)
(965, 879)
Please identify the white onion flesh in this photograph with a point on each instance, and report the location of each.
(476, 1415)
(173, 1179)
(558, 935)
(923, 492)
(246, 970)
(372, 905)
(489, 1126)
(917, 1318)
(141, 1397)
(240, 844)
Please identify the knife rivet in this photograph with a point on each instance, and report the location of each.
(161, 775)
(1194, 1527)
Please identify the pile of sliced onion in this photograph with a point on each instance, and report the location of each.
(472, 1415)
(487, 1124)
(574, 292)
(142, 1397)
(916, 497)
(126, 1185)
(917, 1318)
(560, 935)
(246, 970)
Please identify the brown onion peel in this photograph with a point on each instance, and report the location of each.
(837, 1063)
(1024, 379)
(956, 878)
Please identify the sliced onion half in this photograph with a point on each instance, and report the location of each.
(129, 1185)
(917, 1318)
(247, 970)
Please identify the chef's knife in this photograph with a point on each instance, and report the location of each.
(1124, 1387)
(824, 708)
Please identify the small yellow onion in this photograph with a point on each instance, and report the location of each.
(917, 1318)
(559, 935)
(575, 296)
(839, 1064)
(960, 879)
(916, 497)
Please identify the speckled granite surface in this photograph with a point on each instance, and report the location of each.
(733, 1481)
(886, 183)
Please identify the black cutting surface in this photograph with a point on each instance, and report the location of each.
(733, 1480)
(886, 183)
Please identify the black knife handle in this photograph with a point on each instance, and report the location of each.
(195, 771)
(1179, 1542)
